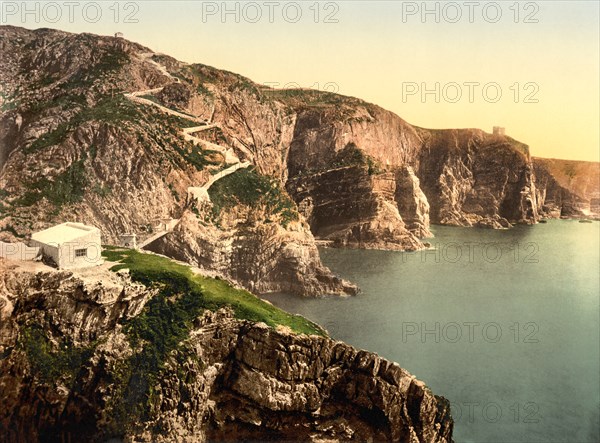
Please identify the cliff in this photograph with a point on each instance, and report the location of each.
(77, 147)
(106, 132)
(463, 177)
(94, 355)
(568, 188)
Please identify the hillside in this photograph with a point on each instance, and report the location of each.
(109, 133)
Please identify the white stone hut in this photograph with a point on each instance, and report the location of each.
(128, 241)
(70, 245)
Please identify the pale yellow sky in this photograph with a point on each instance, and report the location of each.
(543, 57)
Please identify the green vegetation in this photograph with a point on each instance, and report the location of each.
(66, 101)
(51, 362)
(102, 191)
(353, 156)
(570, 170)
(109, 110)
(246, 85)
(8, 102)
(115, 109)
(160, 331)
(173, 192)
(51, 138)
(111, 61)
(310, 97)
(247, 187)
(195, 156)
(350, 156)
(67, 187)
(213, 293)
(9, 106)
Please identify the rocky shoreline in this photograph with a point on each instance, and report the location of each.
(228, 380)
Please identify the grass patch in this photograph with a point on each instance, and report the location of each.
(51, 138)
(109, 62)
(110, 110)
(195, 156)
(310, 97)
(9, 106)
(213, 293)
(248, 187)
(102, 191)
(351, 156)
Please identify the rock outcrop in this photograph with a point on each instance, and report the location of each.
(350, 207)
(263, 257)
(472, 178)
(567, 188)
(412, 202)
(460, 177)
(228, 380)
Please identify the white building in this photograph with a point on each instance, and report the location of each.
(128, 241)
(70, 245)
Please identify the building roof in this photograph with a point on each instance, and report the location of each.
(64, 233)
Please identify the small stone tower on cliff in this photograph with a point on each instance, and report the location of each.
(499, 130)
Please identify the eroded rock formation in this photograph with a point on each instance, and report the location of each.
(229, 380)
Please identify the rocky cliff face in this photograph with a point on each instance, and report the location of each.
(474, 178)
(74, 147)
(263, 257)
(457, 177)
(63, 345)
(568, 188)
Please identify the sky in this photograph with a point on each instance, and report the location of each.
(531, 67)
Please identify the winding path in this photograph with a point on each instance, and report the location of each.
(200, 194)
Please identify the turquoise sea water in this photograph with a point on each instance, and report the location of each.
(505, 324)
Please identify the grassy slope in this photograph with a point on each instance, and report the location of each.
(148, 268)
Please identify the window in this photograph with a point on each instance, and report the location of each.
(80, 252)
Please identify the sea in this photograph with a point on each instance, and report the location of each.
(503, 323)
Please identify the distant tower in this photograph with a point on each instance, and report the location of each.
(119, 35)
(499, 130)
